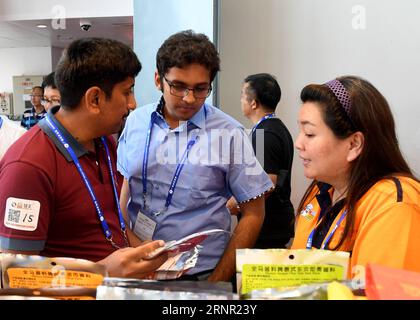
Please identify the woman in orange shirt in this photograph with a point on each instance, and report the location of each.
(364, 199)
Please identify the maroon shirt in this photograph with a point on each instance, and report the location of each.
(37, 168)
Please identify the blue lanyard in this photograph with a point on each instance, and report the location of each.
(76, 161)
(146, 158)
(178, 170)
(311, 236)
(266, 117)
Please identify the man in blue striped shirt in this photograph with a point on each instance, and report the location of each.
(37, 112)
(182, 159)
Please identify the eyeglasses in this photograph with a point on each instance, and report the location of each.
(183, 91)
(54, 101)
(35, 96)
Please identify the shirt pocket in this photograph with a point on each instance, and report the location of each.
(206, 181)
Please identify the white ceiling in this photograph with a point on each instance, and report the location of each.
(24, 33)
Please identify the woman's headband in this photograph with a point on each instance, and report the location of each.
(341, 93)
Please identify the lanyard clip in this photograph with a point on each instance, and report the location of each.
(113, 244)
(158, 213)
(145, 201)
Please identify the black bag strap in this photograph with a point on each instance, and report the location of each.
(399, 189)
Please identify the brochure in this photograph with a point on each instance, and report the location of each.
(187, 243)
(183, 254)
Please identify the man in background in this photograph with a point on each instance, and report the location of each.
(273, 143)
(52, 96)
(37, 112)
(9, 133)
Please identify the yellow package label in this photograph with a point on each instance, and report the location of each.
(41, 278)
(262, 276)
(75, 298)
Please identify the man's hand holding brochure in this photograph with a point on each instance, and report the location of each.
(183, 254)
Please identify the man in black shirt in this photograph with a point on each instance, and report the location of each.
(273, 146)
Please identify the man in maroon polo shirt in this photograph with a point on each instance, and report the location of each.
(59, 185)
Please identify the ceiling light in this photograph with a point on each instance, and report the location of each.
(42, 26)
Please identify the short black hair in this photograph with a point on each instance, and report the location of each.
(265, 89)
(49, 81)
(185, 48)
(38, 87)
(92, 62)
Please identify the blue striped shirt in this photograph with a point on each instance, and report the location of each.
(31, 118)
(220, 164)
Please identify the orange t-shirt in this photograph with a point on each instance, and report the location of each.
(386, 232)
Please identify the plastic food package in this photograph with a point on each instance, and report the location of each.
(317, 291)
(64, 278)
(279, 268)
(133, 289)
(385, 283)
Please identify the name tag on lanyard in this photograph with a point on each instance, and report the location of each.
(144, 227)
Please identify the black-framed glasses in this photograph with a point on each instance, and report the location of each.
(53, 101)
(177, 90)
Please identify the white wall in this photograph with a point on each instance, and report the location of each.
(47, 9)
(22, 61)
(56, 54)
(304, 41)
(154, 22)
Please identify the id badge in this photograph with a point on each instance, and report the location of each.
(144, 227)
(308, 212)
